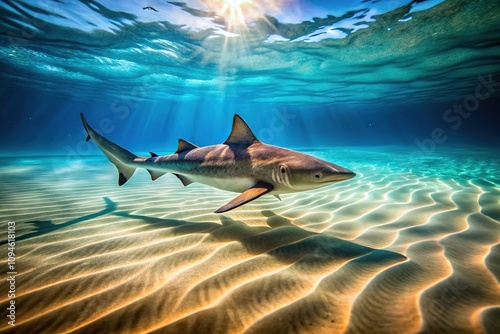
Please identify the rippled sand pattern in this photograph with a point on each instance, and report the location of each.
(385, 252)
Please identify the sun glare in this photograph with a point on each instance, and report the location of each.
(235, 3)
(234, 12)
(238, 14)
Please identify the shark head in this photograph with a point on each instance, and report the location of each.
(284, 170)
(300, 172)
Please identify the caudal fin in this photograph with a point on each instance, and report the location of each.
(120, 157)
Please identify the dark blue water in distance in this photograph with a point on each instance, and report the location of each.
(32, 123)
(404, 93)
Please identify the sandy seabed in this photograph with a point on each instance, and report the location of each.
(384, 252)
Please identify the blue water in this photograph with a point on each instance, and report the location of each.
(360, 73)
(404, 93)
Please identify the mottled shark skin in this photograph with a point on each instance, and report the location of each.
(241, 164)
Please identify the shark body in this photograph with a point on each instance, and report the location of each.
(241, 164)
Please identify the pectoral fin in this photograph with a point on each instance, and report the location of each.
(249, 195)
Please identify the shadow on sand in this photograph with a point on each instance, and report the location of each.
(85, 284)
(280, 238)
(47, 226)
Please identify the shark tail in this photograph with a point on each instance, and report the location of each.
(120, 157)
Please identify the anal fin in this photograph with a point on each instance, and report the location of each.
(185, 181)
(248, 195)
(155, 174)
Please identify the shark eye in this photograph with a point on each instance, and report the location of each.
(283, 169)
(317, 175)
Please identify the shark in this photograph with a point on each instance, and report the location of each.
(242, 164)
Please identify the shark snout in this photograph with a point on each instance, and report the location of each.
(347, 175)
(339, 174)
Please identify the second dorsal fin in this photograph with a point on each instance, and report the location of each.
(241, 133)
(184, 146)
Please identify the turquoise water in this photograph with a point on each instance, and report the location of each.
(303, 73)
(403, 93)
(357, 53)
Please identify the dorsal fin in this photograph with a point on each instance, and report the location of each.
(153, 154)
(184, 146)
(241, 133)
